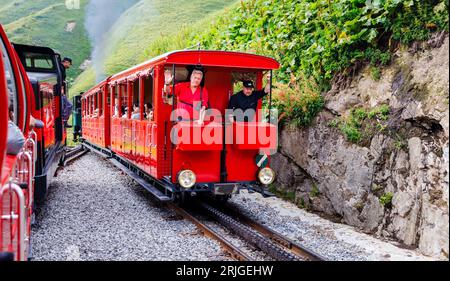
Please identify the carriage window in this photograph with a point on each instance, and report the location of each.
(114, 94)
(96, 104)
(10, 81)
(148, 99)
(100, 103)
(181, 73)
(135, 110)
(38, 62)
(124, 100)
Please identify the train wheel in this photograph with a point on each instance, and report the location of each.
(222, 199)
(182, 198)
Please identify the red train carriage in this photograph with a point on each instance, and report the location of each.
(42, 66)
(16, 175)
(162, 150)
(30, 81)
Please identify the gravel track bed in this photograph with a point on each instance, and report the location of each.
(94, 212)
(334, 241)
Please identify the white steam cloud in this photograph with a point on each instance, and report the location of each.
(100, 17)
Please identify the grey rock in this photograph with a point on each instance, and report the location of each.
(409, 160)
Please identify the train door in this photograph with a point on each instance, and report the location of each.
(101, 120)
(135, 121)
(95, 133)
(148, 125)
(106, 116)
(114, 93)
(120, 118)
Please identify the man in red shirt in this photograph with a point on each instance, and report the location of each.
(191, 96)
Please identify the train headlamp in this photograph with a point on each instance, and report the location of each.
(266, 176)
(187, 179)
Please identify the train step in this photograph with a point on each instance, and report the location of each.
(150, 188)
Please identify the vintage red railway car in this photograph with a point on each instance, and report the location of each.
(43, 67)
(16, 175)
(30, 82)
(159, 149)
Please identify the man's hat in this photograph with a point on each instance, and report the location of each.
(249, 84)
(67, 59)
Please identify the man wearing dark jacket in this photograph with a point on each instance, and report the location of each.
(66, 104)
(247, 101)
(66, 63)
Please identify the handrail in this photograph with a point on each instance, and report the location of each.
(23, 172)
(30, 145)
(12, 187)
(33, 135)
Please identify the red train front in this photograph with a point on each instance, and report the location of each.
(182, 156)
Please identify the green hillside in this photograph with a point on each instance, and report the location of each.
(141, 25)
(313, 40)
(48, 23)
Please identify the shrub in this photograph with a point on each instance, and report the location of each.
(359, 120)
(298, 102)
(386, 199)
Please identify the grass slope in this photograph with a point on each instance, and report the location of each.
(44, 23)
(142, 25)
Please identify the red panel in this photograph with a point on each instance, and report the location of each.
(241, 164)
(218, 83)
(254, 135)
(193, 137)
(205, 164)
(8, 164)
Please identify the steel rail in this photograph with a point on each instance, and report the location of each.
(228, 247)
(276, 237)
(250, 235)
(74, 154)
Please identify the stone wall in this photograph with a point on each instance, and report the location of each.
(410, 159)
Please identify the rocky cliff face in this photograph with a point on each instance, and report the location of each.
(395, 184)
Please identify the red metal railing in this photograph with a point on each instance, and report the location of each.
(16, 202)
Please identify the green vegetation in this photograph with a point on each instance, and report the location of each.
(386, 199)
(321, 38)
(376, 73)
(362, 124)
(46, 23)
(297, 102)
(302, 204)
(315, 192)
(286, 195)
(400, 143)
